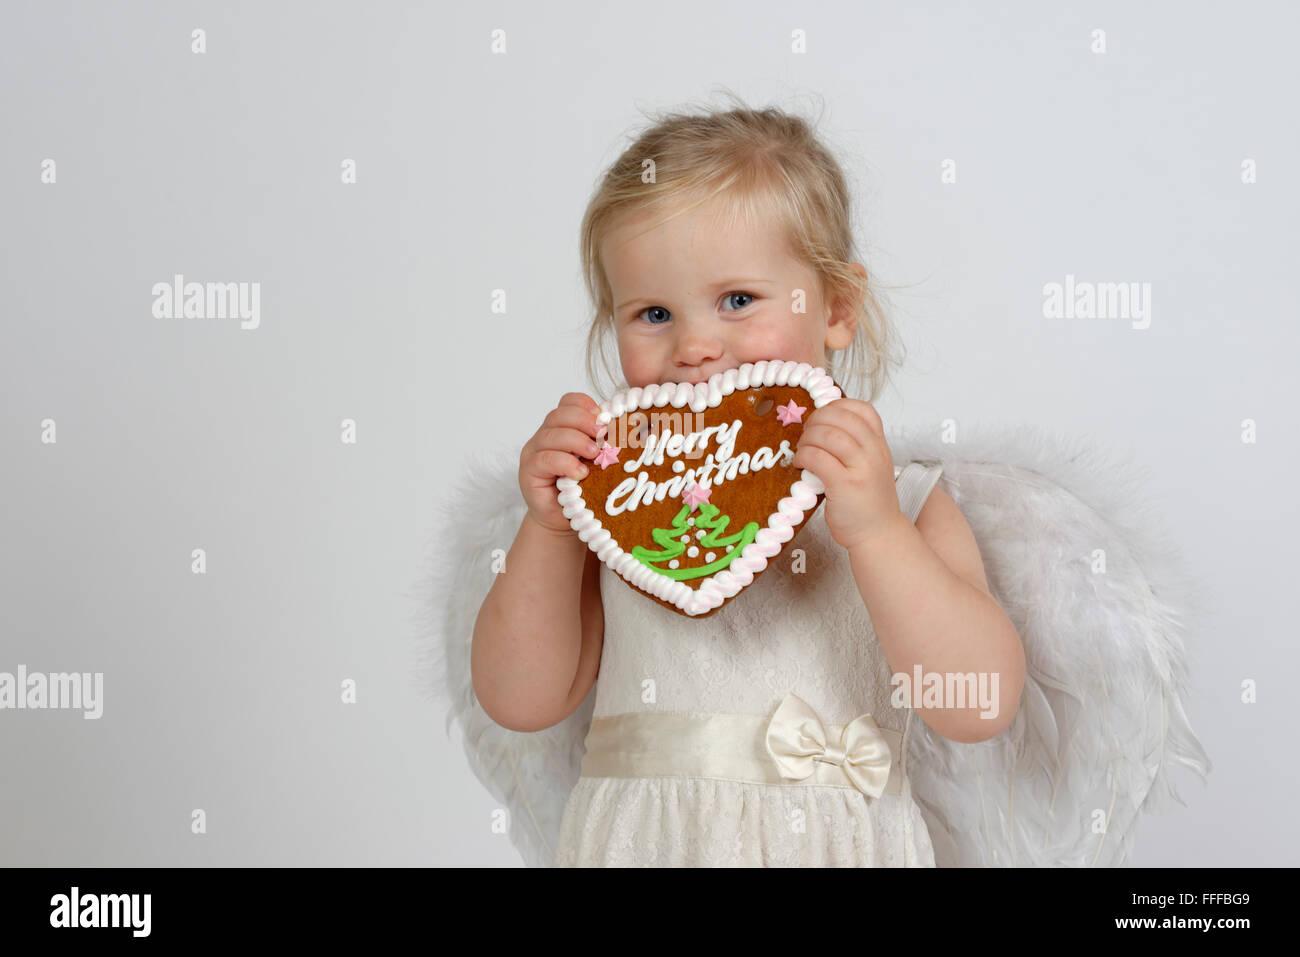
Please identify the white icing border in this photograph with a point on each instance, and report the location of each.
(720, 586)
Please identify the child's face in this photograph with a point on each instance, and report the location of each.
(693, 298)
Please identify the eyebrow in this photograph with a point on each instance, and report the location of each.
(723, 284)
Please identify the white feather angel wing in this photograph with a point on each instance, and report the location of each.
(1093, 587)
(530, 773)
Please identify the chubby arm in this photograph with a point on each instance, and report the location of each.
(539, 633)
(926, 591)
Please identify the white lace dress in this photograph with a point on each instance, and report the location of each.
(713, 684)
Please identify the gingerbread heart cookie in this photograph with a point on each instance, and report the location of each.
(693, 490)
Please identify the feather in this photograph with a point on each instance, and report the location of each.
(1094, 587)
(530, 773)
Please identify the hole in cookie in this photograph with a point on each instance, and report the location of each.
(764, 405)
(637, 430)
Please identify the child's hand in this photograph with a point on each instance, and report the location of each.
(843, 444)
(568, 432)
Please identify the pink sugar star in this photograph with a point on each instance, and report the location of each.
(607, 456)
(696, 495)
(790, 413)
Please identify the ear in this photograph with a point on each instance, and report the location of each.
(843, 319)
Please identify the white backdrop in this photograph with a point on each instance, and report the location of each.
(222, 689)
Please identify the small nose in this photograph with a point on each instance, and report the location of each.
(695, 347)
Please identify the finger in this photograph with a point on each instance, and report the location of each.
(580, 400)
(551, 464)
(841, 443)
(569, 440)
(818, 461)
(863, 410)
(574, 417)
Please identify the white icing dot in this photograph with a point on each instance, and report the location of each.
(673, 563)
(692, 552)
(730, 547)
(690, 521)
(709, 556)
(687, 538)
(700, 533)
(679, 466)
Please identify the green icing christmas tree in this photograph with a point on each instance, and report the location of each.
(671, 545)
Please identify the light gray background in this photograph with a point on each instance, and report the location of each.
(222, 691)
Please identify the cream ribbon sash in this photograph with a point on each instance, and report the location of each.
(792, 747)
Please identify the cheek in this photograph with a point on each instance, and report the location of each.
(637, 357)
(787, 337)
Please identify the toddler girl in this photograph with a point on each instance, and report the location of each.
(768, 733)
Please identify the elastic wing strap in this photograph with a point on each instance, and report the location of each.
(914, 483)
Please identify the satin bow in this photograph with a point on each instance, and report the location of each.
(796, 738)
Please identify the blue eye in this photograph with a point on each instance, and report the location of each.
(652, 309)
(743, 295)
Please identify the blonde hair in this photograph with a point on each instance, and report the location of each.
(761, 162)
